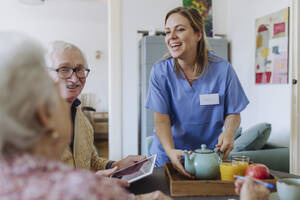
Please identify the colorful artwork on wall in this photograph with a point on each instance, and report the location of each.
(271, 53)
(205, 9)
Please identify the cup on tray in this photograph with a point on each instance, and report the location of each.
(240, 162)
(236, 166)
(226, 170)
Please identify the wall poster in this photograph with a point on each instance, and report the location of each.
(205, 9)
(272, 45)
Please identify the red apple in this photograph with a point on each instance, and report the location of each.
(258, 171)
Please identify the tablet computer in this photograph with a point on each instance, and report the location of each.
(137, 170)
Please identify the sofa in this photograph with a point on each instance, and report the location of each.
(253, 142)
(274, 156)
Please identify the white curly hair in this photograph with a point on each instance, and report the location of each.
(61, 46)
(25, 86)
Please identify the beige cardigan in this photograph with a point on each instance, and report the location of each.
(84, 153)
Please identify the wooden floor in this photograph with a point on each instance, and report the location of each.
(102, 146)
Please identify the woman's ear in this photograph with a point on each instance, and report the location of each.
(199, 34)
(44, 117)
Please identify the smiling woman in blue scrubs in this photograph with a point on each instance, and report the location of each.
(193, 93)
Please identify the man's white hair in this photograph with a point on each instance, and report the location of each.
(61, 46)
(25, 86)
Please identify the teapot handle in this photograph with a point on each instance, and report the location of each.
(192, 156)
(220, 153)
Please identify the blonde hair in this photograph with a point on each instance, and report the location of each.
(196, 22)
(25, 86)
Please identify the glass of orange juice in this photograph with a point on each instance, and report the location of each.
(227, 170)
(240, 163)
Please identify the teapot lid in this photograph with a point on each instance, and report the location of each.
(204, 149)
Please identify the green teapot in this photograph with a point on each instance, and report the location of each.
(203, 163)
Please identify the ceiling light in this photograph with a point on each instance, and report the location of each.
(33, 2)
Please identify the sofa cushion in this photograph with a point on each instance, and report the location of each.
(253, 138)
(238, 133)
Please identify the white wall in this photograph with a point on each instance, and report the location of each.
(268, 103)
(220, 16)
(79, 22)
(136, 15)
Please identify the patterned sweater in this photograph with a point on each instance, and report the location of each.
(27, 177)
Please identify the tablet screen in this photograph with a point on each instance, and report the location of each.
(137, 170)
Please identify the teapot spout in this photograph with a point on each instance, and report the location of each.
(189, 163)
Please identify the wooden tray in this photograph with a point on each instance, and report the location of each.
(182, 186)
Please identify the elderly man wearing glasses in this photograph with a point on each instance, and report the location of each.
(68, 67)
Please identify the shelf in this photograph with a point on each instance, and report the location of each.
(100, 125)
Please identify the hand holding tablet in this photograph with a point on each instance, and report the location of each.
(137, 170)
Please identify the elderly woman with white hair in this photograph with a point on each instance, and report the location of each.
(35, 130)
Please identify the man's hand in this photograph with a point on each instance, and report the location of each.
(129, 160)
(225, 142)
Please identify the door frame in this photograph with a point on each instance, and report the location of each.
(295, 104)
(114, 80)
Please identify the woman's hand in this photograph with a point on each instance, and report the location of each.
(249, 190)
(120, 182)
(111, 188)
(129, 160)
(226, 138)
(107, 172)
(156, 195)
(175, 156)
(116, 181)
(164, 134)
(225, 142)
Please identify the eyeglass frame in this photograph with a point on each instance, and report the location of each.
(73, 71)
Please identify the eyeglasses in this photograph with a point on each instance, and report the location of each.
(66, 72)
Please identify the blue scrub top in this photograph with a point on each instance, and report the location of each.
(193, 123)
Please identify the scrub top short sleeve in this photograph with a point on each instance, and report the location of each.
(193, 121)
(235, 97)
(158, 97)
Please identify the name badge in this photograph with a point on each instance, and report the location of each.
(209, 99)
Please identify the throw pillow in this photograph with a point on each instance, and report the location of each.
(238, 133)
(253, 138)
